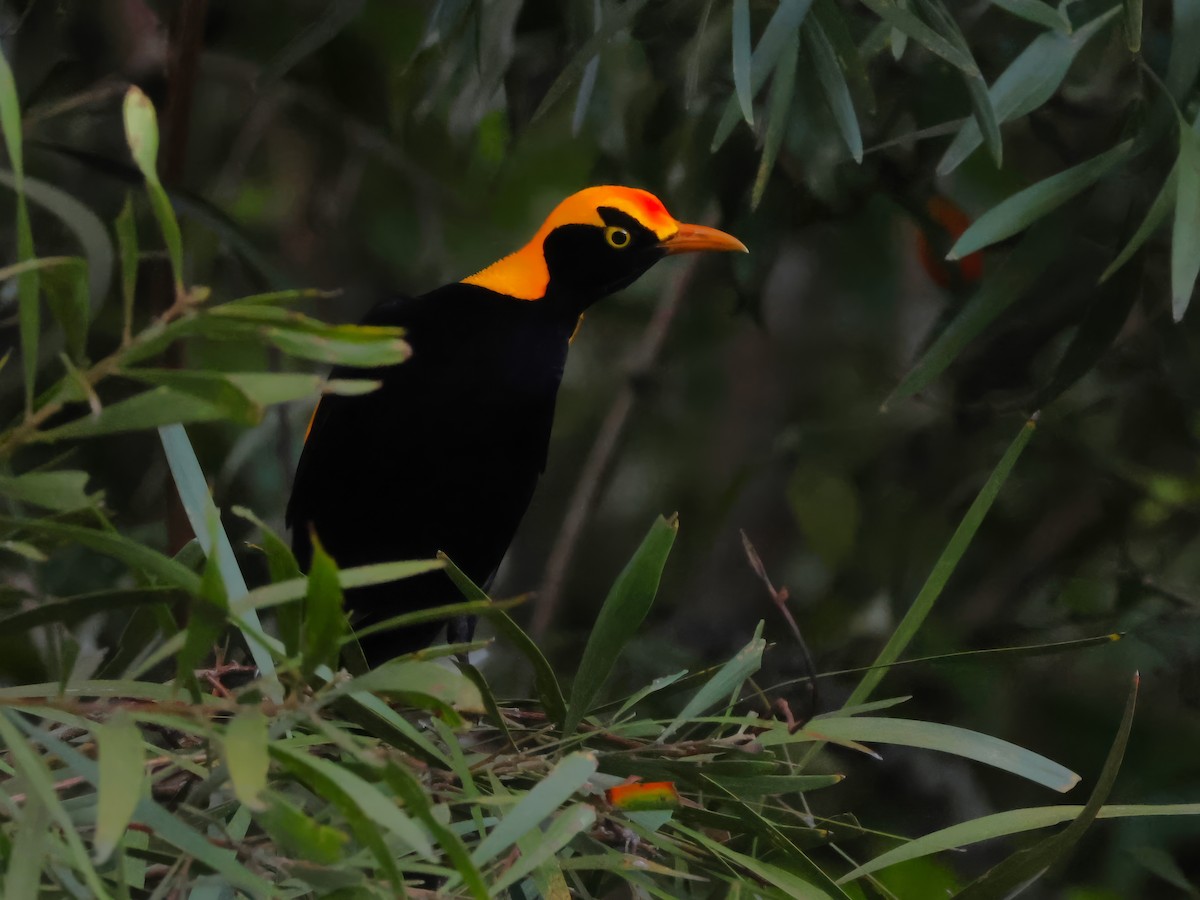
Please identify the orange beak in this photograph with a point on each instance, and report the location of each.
(692, 238)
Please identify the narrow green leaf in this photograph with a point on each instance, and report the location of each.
(246, 755)
(545, 681)
(141, 133)
(40, 782)
(30, 846)
(205, 519)
(324, 620)
(1028, 82)
(560, 832)
(620, 19)
(71, 610)
(418, 682)
(208, 614)
(60, 491)
(1155, 216)
(790, 883)
(907, 629)
(741, 59)
(1133, 25)
(833, 83)
(942, 738)
(127, 243)
(1035, 202)
(1037, 11)
(132, 553)
(209, 387)
(149, 409)
(271, 595)
(1185, 234)
(999, 291)
(540, 803)
(1026, 865)
(626, 606)
(356, 795)
(833, 21)
(1184, 62)
(728, 679)
(298, 834)
(380, 352)
(1003, 824)
(282, 566)
(122, 780)
(783, 87)
(782, 28)
(654, 686)
(908, 24)
(28, 311)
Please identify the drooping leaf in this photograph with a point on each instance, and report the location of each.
(141, 133)
(298, 834)
(907, 22)
(728, 679)
(741, 59)
(61, 491)
(1032, 204)
(1185, 233)
(247, 757)
(127, 243)
(1028, 82)
(1184, 62)
(783, 87)
(324, 619)
(833, 83)
(1037, 11)
(1155, 216)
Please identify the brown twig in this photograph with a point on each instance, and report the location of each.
(599, 460)
(780, 598)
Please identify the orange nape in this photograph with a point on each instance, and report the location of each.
(525, 275)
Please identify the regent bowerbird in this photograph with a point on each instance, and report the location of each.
(445, 454)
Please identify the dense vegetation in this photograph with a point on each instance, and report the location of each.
(930, 512)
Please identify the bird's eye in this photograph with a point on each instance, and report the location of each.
(618, 238)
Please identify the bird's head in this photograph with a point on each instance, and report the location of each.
(595, 242)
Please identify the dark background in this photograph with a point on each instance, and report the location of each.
(377, 146)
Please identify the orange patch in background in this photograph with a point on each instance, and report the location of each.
(953, 222)
(643, 796)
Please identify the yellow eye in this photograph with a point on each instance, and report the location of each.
(618, 238)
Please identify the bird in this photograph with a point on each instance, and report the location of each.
(445, 454)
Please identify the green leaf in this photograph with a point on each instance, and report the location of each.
(1035, 202)
(282, 566)
(977, 88)
(1003, 824)
(831, 17)
(783, 87)
(1185, 234)
(908, 24)
(74, 609)
(780, 30)
(1155, 216)
(28, 853)
(324, 621)
(419, 682)
(1026, 865)
(626, 606)
(247, 757)
(618, 21)
(209, 387)
(378, 352)
(359, 800)
(1037, 11)
(141, 133)
(540, 803)
(833, 82)
(729, 678)
(1184, 61)
(1133, 25)
(133, 553)
(122, 780)
(790, 883)
(544, 679)
(40, 783)
(127, 243)
(741, 59)
(942, 738)
(60, 491)
(208, 614)
(999, 291)
(271, 595)
(908, 627)
(1028, 82)
(149, 409)
(560, 832)
(28, 310)
(298, 834)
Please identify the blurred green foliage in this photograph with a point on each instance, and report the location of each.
(835, 395)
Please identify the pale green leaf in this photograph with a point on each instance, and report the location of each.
(247, 757)
(122, 780)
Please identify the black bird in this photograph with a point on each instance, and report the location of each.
(446, 453)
